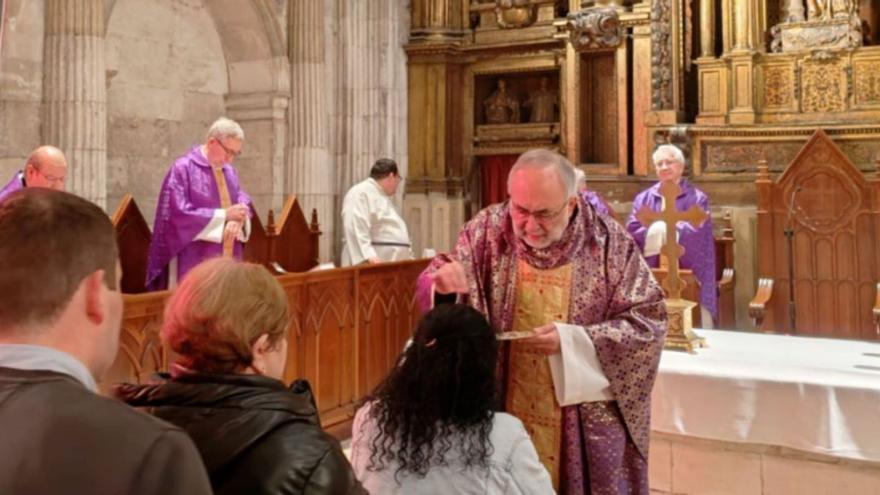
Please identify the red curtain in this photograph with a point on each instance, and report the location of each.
(493, 177)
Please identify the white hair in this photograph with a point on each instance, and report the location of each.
(579, 177)
(223, 128)
(670, 149)
(541, 158)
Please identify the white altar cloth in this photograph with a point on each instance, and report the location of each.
(812, 394)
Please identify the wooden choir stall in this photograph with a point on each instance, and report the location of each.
(348, 325)
(832, 212)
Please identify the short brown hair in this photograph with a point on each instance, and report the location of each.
(219, 310)
(49, 242)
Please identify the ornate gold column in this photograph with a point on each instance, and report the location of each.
(707, 28)
(434, 204)
(712, 71)
(75, 93)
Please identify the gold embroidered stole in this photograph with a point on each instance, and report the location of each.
(225, 203)
(542, 297)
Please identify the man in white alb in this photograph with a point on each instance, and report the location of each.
(373, 231)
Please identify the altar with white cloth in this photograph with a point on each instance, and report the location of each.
(767, 414)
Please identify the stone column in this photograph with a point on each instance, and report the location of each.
(370, 97)
(741, 25)
(75, 93)
(311, 173)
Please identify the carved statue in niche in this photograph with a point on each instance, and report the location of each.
(827, 9)
(501, 107)
(542, 103)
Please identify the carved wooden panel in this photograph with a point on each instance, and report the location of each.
(836, 223)
(296, 245)
(133, 239)
(140, 352)
(347, 329)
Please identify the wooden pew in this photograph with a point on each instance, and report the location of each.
(291, 244)
(348, 328)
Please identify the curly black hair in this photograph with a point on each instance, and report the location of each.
(440, 396)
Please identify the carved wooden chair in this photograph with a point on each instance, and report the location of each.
(834, 212)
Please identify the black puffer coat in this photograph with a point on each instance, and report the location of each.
(255, 435)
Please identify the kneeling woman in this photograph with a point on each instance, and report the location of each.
(431, 426)
(228, 323)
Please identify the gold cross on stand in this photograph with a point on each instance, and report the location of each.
(681, 334)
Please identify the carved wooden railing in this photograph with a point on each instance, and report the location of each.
(348, 328)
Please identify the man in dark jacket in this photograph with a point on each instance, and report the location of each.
(60, 316)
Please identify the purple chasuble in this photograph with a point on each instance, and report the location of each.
(187, 202)
(597, 202)
(615, 297)
(13, 185)
(699, 244)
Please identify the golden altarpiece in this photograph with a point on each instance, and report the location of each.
(731, 82)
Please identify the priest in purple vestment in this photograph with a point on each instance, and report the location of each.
(698, 243)
(46, 166)
(202, 210)
(591, 196)
(546, 266)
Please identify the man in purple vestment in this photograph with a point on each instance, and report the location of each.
(578, 281)
(202, 211)
(592, 197)
(698, 243)
(46, 166)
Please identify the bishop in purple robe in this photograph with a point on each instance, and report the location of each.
(202, 210)
(46, 166)
(698, 243)
(581, 383)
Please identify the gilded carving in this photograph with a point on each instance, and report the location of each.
(593, 28)
(831, 33)
(511, 14)
(662, 64)
(741, 157)
(824, 90)
(778, 87)
(867, 82)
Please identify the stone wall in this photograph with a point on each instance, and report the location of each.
(21, 84)
(166, 83)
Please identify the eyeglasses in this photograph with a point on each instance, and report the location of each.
(229, 153)
(540, 215)
(53, 179)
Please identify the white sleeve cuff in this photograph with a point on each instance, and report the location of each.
(577, 373)
(213, 232)
(245, 233)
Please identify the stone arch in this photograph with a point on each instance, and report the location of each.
(217, 57)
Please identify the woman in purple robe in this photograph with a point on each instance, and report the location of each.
(698, 243)
(202, 210)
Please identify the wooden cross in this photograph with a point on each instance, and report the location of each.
(672, 249)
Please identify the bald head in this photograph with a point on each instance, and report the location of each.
(46, 167)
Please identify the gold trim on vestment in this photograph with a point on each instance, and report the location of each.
(225, 202)
(542, 297)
